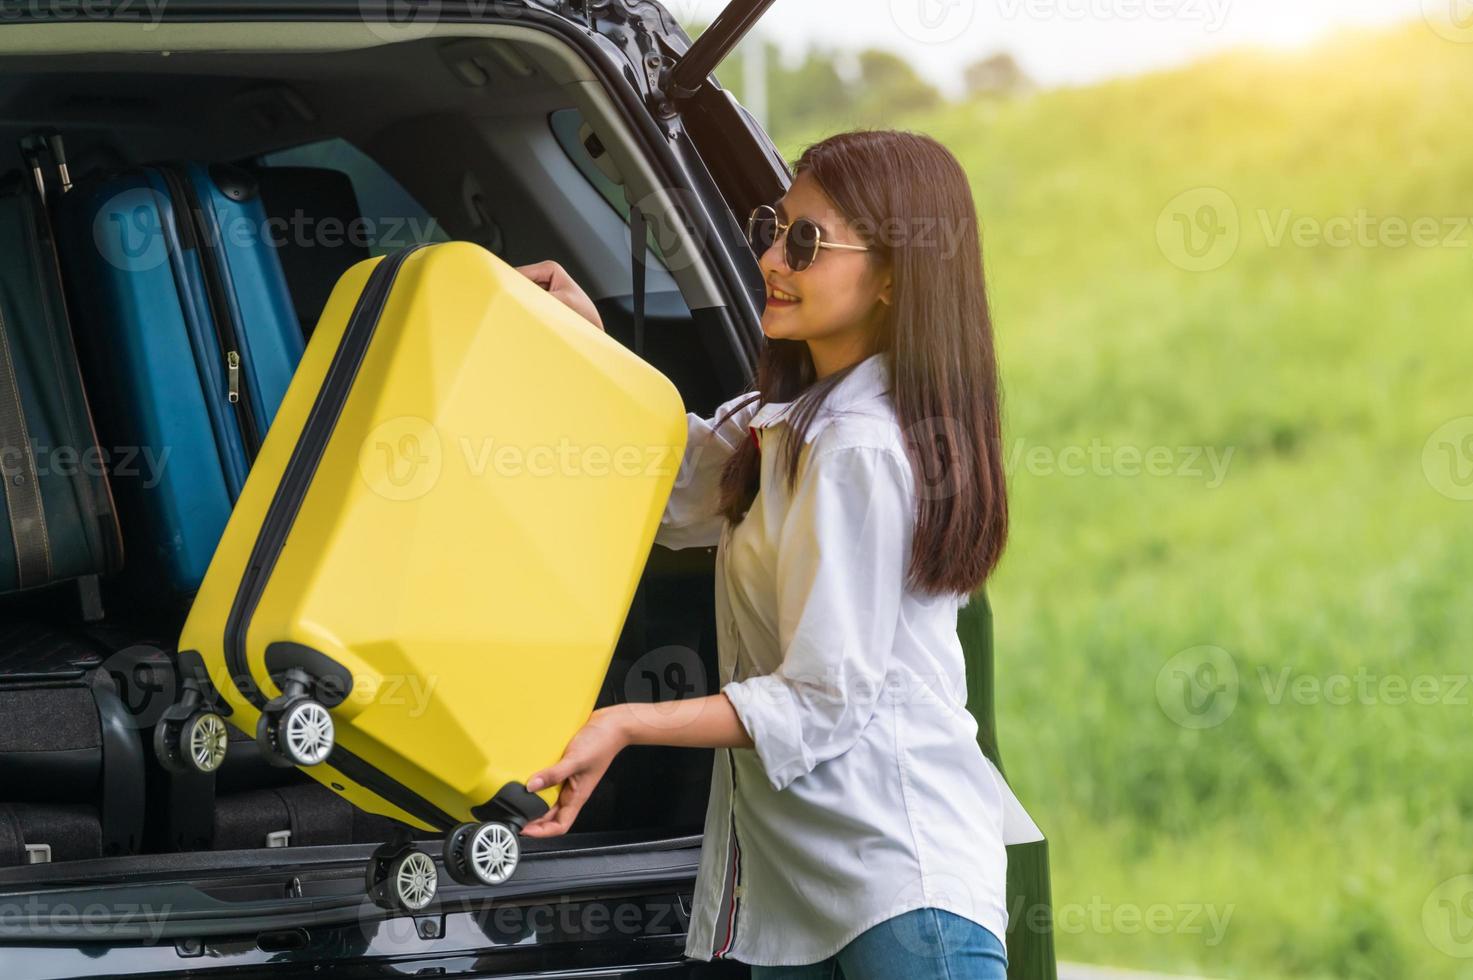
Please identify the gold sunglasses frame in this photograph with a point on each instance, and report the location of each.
(782, 231)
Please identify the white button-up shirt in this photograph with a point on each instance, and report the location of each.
(866, 794)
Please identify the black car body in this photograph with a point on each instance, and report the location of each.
(514, 123)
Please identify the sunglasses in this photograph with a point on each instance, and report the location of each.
(802, 237)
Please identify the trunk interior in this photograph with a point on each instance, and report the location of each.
(499, 138)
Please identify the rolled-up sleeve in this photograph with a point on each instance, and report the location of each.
(690, 519)
(842, 555)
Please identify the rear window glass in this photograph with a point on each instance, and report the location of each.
(395, 219)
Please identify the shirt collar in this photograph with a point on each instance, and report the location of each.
(870, 378)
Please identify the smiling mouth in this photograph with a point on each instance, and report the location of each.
(773, 293)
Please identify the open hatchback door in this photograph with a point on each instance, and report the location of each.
(439, 528)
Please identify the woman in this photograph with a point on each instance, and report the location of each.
(856, 499)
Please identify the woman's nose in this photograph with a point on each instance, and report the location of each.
(775, 259)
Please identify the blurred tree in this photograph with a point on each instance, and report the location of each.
(801, 96)
(999, 74)
(889, 86)
(798, 96)
(818, 93)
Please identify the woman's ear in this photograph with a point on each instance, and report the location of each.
(887, 289)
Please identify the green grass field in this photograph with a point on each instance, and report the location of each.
(1306, 786)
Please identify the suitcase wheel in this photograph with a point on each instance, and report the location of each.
(195, 742)
(401, 878)
(295, 730)
(482, 853)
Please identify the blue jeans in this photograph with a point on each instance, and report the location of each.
(923, 944)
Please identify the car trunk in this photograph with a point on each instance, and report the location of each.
(477, 135)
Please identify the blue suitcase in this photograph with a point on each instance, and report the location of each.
(191, 337)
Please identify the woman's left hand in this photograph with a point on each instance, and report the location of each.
(584, 762)
(555, 279)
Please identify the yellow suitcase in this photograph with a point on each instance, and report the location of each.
(418, 594)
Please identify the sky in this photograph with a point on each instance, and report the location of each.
(1063, 42)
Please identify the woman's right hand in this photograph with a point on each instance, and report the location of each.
(585, 760)
(555, 279)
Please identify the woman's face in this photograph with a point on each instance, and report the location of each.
(836, 298)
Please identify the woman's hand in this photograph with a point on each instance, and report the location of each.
(555, 279)
(584, 762)
(707, 722)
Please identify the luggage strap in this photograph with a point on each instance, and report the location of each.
(22, 487)
(637, 236)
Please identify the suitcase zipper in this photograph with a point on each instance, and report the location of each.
(194, 232)
(232, 373)
(321, 420)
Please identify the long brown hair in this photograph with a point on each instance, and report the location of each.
(908, 198)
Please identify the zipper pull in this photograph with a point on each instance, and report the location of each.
(232, 370)
(58, 157)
